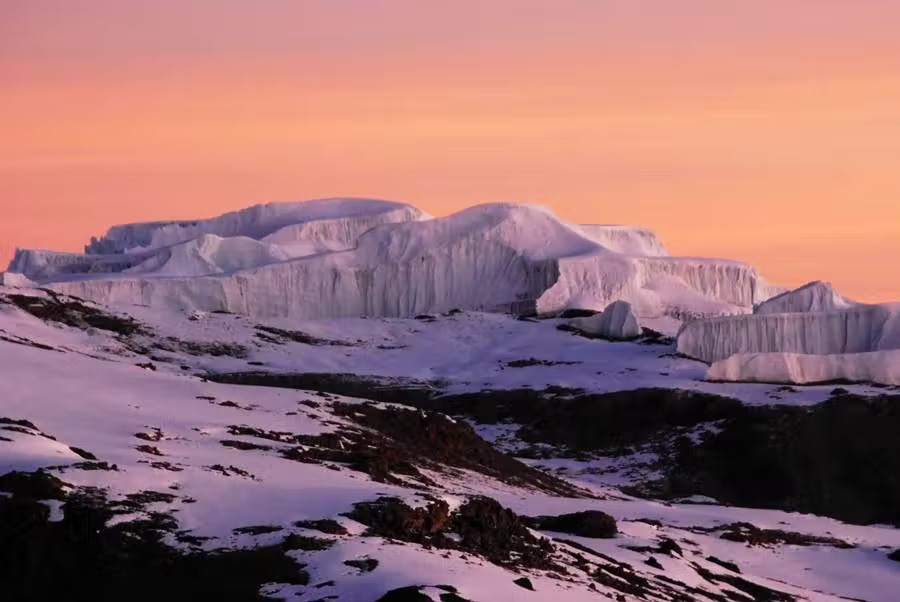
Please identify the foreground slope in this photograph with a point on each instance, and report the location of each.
(281, 474)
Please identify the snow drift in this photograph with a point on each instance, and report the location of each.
(879, 367)
(340, 257)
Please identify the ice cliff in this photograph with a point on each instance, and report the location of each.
(351, 257)
(880, 367)
(335, 219)
(855, 330)
(814, 296)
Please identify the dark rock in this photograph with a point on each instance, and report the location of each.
(149, 449)
(365, 565)
(405, 594)
(724, 564)
(81, 558)
(295, 541)
(256, 530)
(755, 536)
(23, 423)
(73, 312)
(38, 485)
(569, 314)
(329, 526)
(279, 336)
(754, 590)
(588, 523)
(83, 453)
(840, 458)
(524, 583)
(481, 526)
(244, 445)
(535, 362)
(670, 547)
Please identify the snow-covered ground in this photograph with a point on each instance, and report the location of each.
(163, 427)
(468, 351)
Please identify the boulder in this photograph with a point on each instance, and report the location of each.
(588, 523)
(617, 322)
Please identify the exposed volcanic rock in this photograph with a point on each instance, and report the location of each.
(588, 523)
(480, 526)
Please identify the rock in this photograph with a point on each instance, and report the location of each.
(481, 526)
(410, 593)
(365, 565)
(575, 312)
(724, 564)
(654, 563)
(524, 583)
(895, 555)
(617, 322)
(588, 523)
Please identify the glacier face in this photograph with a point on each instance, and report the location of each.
(814, 296)
(255, 222)
(350, 257)
(15, 280)
(858, 329)
(878, 367)
(808, 335)
(630, 240)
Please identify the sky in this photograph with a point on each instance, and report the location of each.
(765, 130)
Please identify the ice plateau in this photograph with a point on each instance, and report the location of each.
(352, 257)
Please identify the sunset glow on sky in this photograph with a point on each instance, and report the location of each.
(765, 131)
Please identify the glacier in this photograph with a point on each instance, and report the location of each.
(357, 257)
(338, 219)
(855, 330)
(878, 367)
(813, 296)
(807, 335)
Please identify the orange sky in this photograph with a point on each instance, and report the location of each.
(768, 132)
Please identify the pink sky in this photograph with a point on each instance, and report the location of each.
(769, 132)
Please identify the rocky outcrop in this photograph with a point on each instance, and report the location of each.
(480, 526)
(588, 523)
